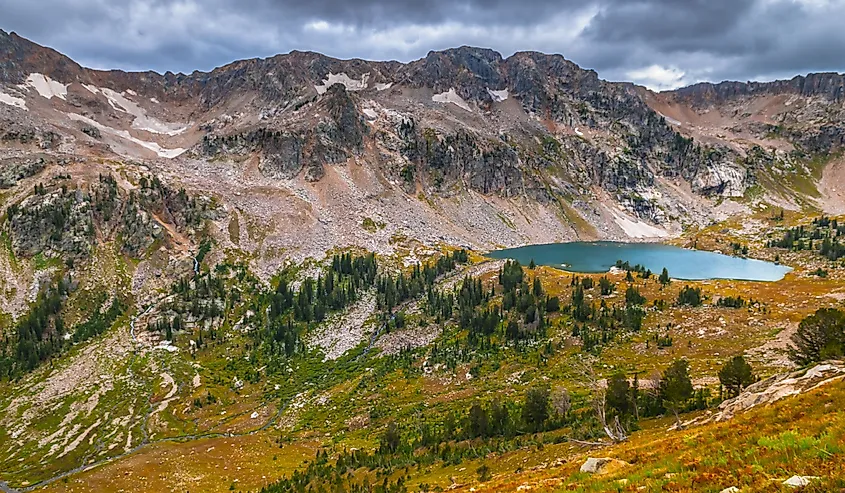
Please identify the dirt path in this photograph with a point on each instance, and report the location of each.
(832, 187)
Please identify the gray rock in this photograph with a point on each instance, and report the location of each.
(799, 481)
(600, 465)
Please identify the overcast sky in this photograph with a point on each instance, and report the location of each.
(659, 43)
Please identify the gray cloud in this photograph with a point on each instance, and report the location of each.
(660, 43)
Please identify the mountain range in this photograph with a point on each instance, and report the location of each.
(453, 146)
(280, 240)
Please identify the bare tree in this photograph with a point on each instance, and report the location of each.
(561, 401)
(598, 389)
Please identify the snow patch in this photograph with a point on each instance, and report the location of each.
(13, 101)
(578, 132)
(141, 121)
(131, 92)
(451, 96)
(162, 152)
(46, 86)
(342, 78)
(637, 229)
(154, 100)
(380, 86)
(371, 113)
(498, 96)
(91, 89)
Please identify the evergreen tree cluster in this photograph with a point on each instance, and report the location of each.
(290, 311)
(41, 334)
(596, 326)
(637, 269)
(690, 297)
(731, 302)
(823, 236)
(37, 336)
(394, 290)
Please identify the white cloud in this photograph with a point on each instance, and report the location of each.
(659, 78)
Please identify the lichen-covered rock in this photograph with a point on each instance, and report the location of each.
(800, 481)
(721, 180)
(12, 170)
(57, 223)
(780, 386)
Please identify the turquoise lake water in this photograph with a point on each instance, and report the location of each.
(600, 256)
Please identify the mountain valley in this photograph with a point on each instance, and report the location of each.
(274, 276)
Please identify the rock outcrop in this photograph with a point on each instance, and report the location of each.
(781, 386)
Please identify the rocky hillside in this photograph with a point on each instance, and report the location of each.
(462, 147)
(789, 133)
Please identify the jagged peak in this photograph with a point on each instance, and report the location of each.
(439, 70)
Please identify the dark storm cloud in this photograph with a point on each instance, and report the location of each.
(661, 43)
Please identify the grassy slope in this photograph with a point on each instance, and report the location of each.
(407, 395)
(756, 451)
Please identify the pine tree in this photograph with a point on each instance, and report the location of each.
(664, 277)
(535, 410)
(820, 336)
(676, 388)
(736, 375)
(618, 394)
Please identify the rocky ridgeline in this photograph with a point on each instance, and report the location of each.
(307, 120)
(812, 116)
(830, 86)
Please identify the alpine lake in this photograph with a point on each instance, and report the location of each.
(682, 263)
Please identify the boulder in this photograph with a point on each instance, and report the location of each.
(602, 465)
(799, 481)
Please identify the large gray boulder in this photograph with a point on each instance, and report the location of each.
(602, 465)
